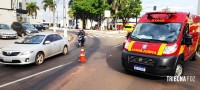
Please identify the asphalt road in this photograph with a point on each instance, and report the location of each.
(102, 71)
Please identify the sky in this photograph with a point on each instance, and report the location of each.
(147, 5)
(174, 5)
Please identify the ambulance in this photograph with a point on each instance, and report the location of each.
(161, 43)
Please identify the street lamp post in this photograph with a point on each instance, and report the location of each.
(54, 28)
(64, 19)
(198, 8)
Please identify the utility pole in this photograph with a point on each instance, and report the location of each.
(64, 19)
(198, 8)
(54, 26)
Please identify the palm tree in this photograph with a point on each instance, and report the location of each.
(72, 14)
(52, 7)
(32, 8)
(115, 6)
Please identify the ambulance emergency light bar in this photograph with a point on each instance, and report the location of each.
(169, 14)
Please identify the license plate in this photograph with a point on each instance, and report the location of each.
(7, 60)
(139, 68)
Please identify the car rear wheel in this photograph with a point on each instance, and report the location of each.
(65, 50)
(39, 59)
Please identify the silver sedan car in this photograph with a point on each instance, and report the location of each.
(34, 49)
(7, 32)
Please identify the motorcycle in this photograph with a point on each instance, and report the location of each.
(81, 40)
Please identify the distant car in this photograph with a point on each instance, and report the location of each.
(40, 27)
(7, 32)
(129, 27)
(34, 48)
(23, 28)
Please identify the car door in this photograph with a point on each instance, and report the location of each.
(193, 31)
(60, 43)
(57, 43)
(48, 47)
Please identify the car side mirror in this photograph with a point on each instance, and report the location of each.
(128, 34)
(47, 42)
(187, 40)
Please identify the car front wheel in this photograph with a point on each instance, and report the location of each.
(39, 59)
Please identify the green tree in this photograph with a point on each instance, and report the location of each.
(71, 13)
(88, 9)
(51, 5)
(126, 9)
(98, 8)
(130, 10)
(32, 8)
(115, 6)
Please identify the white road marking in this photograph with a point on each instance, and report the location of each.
(110, 35)
(36, 74)
(90, 36)
(120, 37)
(98, 36)
(117, 45)
(103, 36)
(73, 40)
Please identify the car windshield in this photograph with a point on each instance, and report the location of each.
(31, 39)
(161, 32)
(28, 26)
(4, 27)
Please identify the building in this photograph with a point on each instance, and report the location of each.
(38, 19)
(12, 10)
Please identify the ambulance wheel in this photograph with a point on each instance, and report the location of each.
(196, 55)
(179, 69)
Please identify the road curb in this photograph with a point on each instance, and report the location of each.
(70, 37)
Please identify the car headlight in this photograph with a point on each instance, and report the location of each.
(126, 44)
(170, 49)
(26, 52)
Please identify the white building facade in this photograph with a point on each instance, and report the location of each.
(11, 10)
